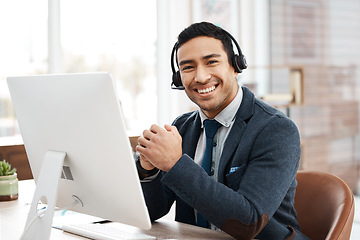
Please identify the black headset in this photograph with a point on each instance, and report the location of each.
(238, 62)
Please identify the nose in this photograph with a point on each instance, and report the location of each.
(202, 75)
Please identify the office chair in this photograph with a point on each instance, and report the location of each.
(325, 206)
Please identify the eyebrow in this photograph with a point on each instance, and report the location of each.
(204, 58)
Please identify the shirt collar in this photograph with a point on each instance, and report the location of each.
(226, 116)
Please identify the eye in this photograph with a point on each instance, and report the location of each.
(212, 62)
(186, 68)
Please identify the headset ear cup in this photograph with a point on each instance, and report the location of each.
(243, 61)
(177, 79)
(239, 63)
(236, 64)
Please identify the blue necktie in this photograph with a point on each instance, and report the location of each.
(211, 127)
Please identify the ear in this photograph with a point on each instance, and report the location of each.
(234, 72)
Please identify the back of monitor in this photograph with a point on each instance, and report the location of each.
(80, 115)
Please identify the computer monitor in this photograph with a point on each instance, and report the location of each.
(76, 142)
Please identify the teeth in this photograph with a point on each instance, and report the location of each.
(206, 90)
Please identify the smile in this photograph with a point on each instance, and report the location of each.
(206, 90)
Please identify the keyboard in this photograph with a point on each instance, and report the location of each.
(105, 231)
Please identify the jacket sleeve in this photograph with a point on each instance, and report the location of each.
(158, 197)
(252, 194)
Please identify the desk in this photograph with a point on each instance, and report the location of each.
(13, 216)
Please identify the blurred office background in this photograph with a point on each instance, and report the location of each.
(303, 58)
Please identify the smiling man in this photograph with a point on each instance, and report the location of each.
(242, 179)
(208, 78)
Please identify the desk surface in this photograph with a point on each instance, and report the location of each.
(13, 216)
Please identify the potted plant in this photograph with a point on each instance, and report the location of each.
(8, 182)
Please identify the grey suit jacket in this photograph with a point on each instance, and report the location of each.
(257, 200)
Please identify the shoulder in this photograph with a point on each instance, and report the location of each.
(264, 108)
(185, 117)
(253, 108)
(258, 115)
(269, 117)
(183, 121)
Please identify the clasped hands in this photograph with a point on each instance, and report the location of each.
(159, 147)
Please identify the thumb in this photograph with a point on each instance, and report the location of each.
(170, 128)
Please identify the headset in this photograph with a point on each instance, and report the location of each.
(238, 62)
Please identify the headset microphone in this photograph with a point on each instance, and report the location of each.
(238, 62)
(177, 88)
(176, 81)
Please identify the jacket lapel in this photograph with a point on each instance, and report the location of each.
(191, 135)
(243, 114)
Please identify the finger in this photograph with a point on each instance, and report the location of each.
(167, 127)
(171, 129)
(156, 128)
(147, 134)
(141, 150)
(142, 142)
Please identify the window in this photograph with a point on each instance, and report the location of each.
(112, 36)
(117, 37)
(23, 47)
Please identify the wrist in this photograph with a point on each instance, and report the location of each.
(145, 171)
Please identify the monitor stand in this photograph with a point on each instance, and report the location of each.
(39, 228)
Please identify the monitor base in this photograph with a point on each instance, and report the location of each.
(38, 223)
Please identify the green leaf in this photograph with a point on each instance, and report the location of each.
(5, 168)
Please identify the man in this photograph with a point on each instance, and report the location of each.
(249, 191)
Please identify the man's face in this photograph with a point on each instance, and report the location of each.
(208, 78)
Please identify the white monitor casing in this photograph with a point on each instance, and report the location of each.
(80, 115)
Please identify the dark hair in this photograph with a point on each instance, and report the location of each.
(208, 30)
